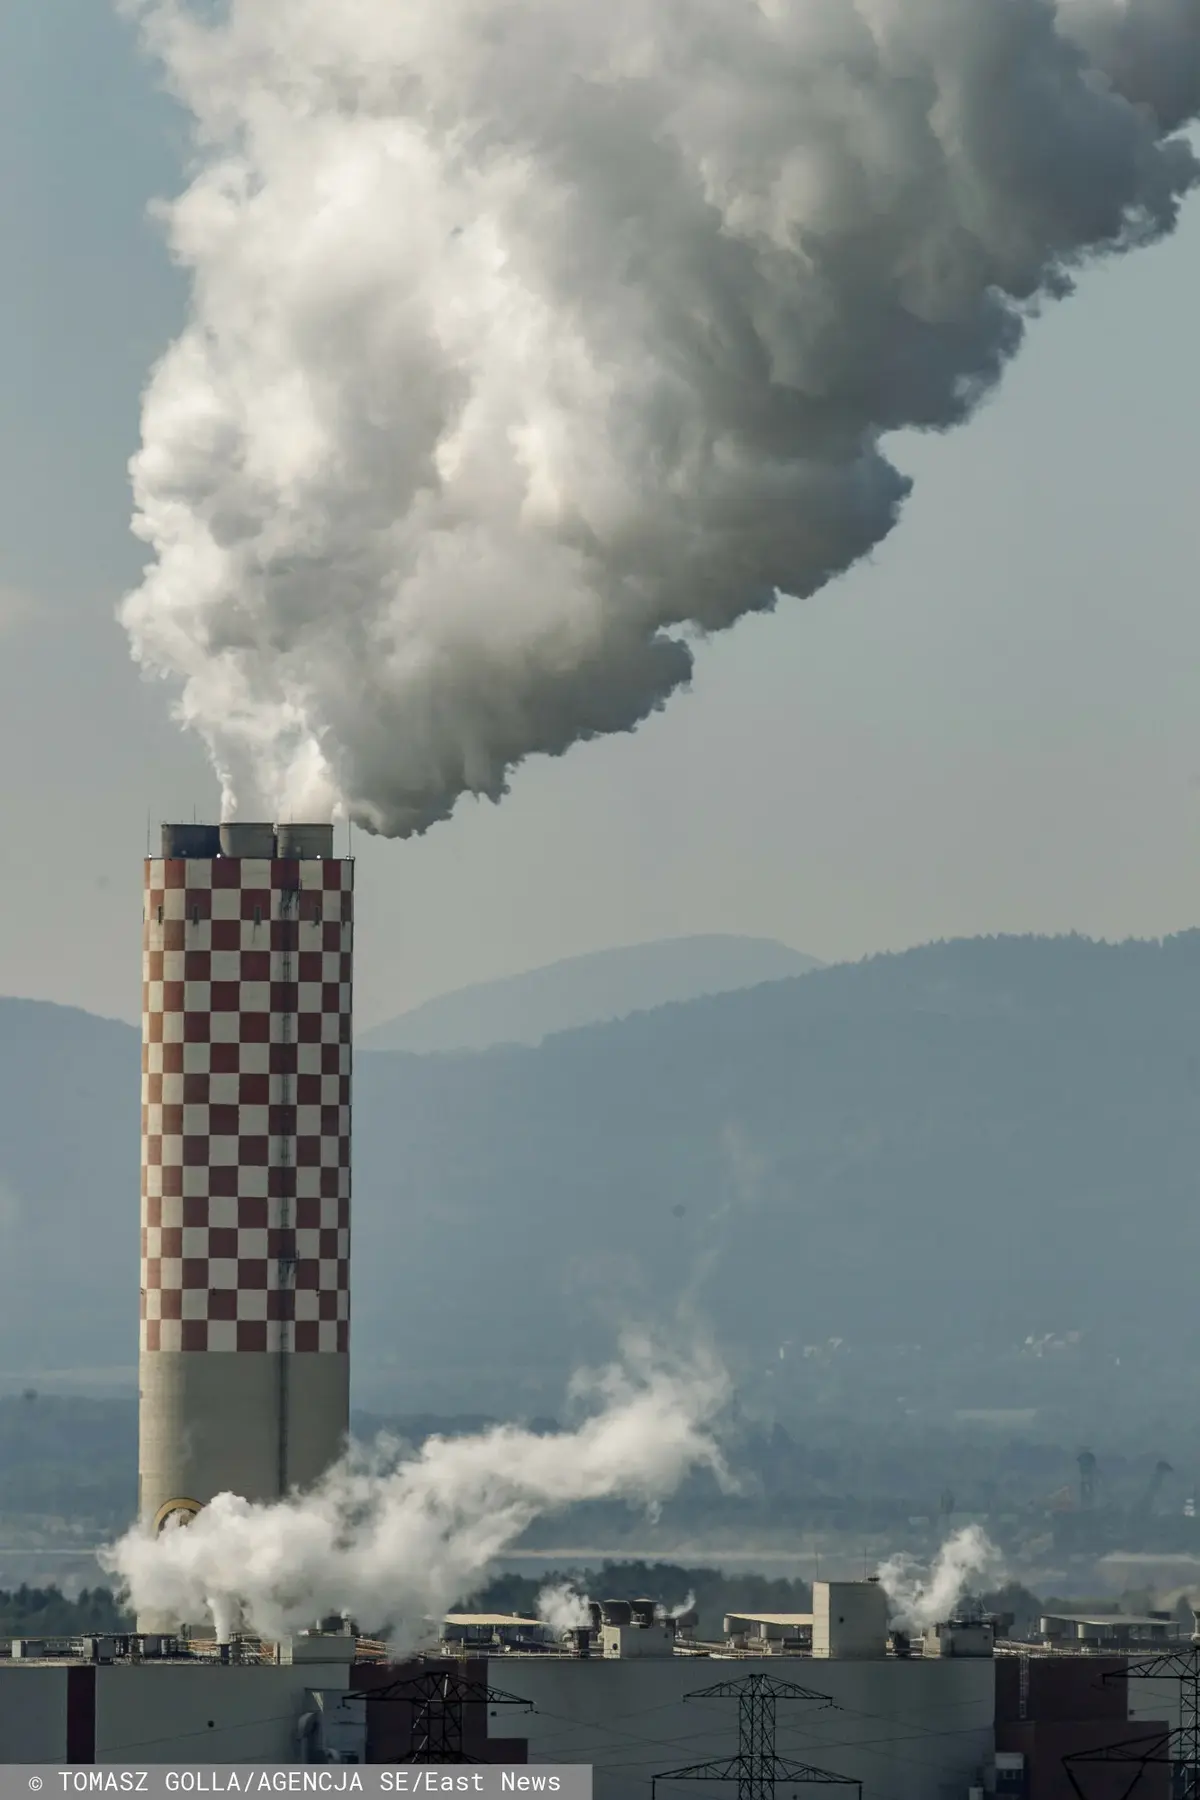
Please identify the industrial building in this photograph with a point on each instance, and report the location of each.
(1108, 1631)
(244, 1377)
(153, 1701)
(908, 1726)
(943, 1716)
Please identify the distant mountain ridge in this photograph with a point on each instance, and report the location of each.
(960, 1149)
(587, 990)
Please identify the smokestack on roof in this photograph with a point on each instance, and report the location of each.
(191, 840)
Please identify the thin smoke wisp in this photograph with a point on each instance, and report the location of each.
(393, 1540)
(921, 1596)
(530, 343)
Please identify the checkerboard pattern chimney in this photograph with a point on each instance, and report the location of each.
(245, 1253)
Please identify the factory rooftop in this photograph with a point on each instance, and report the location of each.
(496, 1621)
(786, 1621)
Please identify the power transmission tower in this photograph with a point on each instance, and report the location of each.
(437, 1697)
(756, 1768)
(1178, 1749)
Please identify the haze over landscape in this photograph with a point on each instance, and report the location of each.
(938, 1155)
(932, 1210)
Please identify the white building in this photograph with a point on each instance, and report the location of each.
(907, 1728)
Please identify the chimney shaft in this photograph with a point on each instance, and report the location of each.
(246, 1066)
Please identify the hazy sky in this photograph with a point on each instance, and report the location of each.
(991, 728)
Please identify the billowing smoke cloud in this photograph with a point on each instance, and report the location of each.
(562, 1606)
(394, 1542)
(1148, 49)
(928, 1596)
(530, 342)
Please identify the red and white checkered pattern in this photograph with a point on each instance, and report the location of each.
(246, 1062)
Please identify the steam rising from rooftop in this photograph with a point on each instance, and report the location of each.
(531, 342)
(920, 1597)
(562, 1607)
(393, 1540)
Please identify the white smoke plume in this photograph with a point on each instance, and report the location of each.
(395, 1542)
(920, 1597)
(562, 1606)
(530, 342)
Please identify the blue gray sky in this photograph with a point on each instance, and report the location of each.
(989, 728)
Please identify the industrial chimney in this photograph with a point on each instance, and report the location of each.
(246, 1058)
